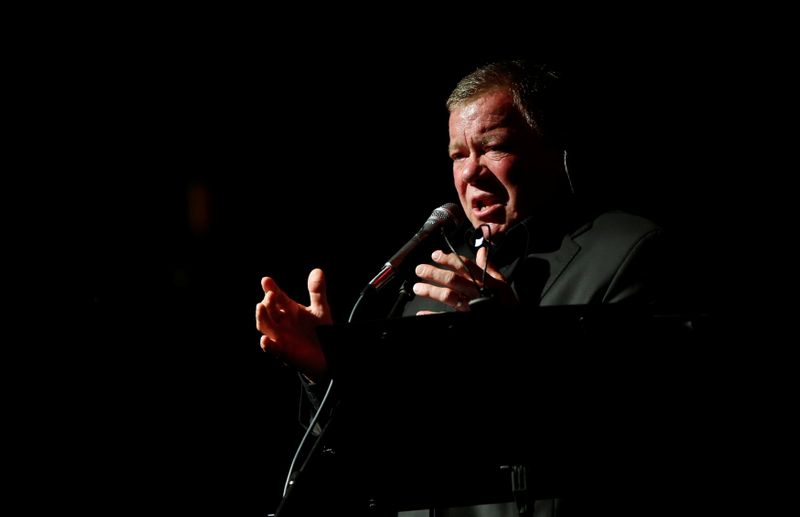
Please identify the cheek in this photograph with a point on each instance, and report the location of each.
(458, 180)
(508, 175)
(461, 188)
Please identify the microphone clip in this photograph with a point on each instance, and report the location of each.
(485, 301)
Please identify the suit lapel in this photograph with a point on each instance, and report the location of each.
(562, 257)
(559, 260)
(552, 258)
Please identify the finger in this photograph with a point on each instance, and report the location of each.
(481, 257)
(265, 322)
(271, 339)
(481, 260)
(269, 345)
(426, 313)
(435, 274)
(445, 295)
(269, 285)
(456, 263)
(276, 311)
(445, 278)
(317, 292)
(261, 318)
(463, 287)
(269, 316)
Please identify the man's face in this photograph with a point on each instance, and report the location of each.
(501, 167)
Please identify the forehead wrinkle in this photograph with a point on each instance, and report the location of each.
(481, 125)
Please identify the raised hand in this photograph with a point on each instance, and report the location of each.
(288, 327)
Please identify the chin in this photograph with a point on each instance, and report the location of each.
(496, 228)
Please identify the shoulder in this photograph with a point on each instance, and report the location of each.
(617, 222)
(631, 254)
(617, 229)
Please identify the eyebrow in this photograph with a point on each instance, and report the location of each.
(491, 135)
(485, 137)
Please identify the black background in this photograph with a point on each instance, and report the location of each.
(331, 157)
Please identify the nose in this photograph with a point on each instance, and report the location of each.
(471, 169)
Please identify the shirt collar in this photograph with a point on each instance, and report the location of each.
(540, 232)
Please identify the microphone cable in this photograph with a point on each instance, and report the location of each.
(308, 432)
(485, 242)
(317, 414)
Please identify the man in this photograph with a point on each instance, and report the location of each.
(511, 174)
(531, 243)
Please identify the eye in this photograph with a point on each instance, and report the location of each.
(496, 149)
(457, 155)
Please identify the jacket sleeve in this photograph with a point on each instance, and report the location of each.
(310, 404)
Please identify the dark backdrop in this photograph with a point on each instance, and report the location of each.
(198, 166)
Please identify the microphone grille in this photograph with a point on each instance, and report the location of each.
(448, 214)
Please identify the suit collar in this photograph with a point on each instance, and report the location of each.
(544, 237)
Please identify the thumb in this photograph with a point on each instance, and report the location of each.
(481, 259)
(317, 293)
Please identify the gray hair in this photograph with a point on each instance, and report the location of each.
(535, 90)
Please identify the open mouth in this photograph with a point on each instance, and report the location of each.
(485, 206)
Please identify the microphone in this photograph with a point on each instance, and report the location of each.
(447, 216)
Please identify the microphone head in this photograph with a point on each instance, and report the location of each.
(449, 214)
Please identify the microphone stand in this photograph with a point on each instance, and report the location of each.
(404, 295)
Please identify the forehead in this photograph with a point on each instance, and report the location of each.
(490, 111)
